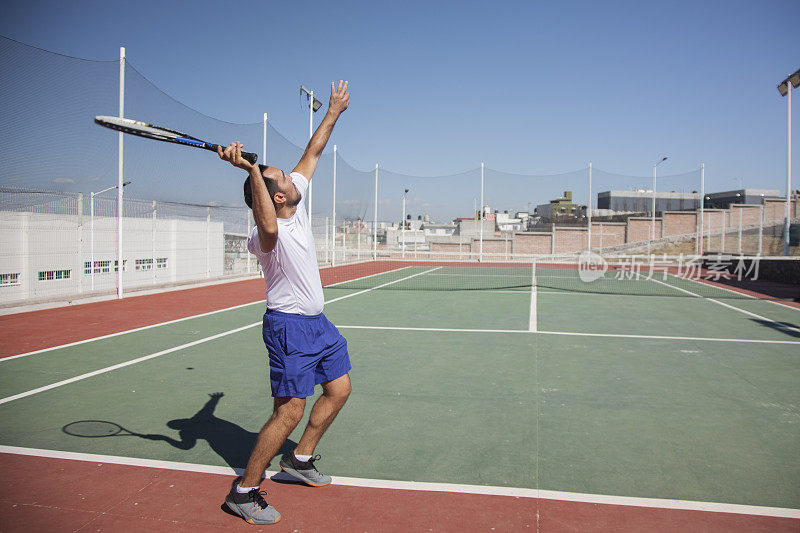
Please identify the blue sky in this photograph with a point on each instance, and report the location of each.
(438, 87)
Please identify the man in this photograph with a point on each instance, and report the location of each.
(305, 349)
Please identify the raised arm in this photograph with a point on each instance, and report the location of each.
(263, 208)
(339, 101)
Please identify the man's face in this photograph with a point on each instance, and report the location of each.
(284, 185)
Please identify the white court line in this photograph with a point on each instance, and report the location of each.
(776, 302)
(665, 337)
(76, 343)
(380, 286)
(174, 349)
(579, 334)
(781, 324)
(364, 277)
(532, 320)
(122, 365)
(516, 492)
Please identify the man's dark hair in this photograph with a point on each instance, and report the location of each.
(272, 187)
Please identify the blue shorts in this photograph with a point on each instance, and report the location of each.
(304, 351)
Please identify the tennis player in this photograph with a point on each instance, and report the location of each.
(305, 349)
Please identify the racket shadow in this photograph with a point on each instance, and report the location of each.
(229, 440)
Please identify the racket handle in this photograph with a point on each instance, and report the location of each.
(250, 157)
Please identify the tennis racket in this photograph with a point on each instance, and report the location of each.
(157, 133)
(97, 428)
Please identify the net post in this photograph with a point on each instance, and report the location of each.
(333, 219)
(119, 171)
(481, 218)
(760, 225)
(589, 211)
(375, 227)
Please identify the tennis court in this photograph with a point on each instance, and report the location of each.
(512, 401)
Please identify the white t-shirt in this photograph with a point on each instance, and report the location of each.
(290, 269)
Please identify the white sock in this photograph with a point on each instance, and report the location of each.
(303, 458)
(244, 490)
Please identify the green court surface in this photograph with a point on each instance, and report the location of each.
(618, 414)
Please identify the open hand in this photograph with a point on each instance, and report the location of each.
(233, 155)
(340, 98)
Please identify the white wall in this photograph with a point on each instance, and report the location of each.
(33, 242)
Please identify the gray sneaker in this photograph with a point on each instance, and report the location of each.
(304, 471)
(252, 507)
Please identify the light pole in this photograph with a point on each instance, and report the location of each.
(403, 222)
(785, 88)
(653, 214)
(313, 105)
(91, 231)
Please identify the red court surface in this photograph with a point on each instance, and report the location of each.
(37, 330)
(42, 494)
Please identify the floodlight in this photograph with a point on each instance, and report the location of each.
(795, 79)
(316, 103)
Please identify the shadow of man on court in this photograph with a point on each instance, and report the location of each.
(787, 328)
(230, 441)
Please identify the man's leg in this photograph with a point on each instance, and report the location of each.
(286, 414)
(327, 406)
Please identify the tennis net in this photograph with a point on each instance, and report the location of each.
(699, 277)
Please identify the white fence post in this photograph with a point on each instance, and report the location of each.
(740, 231)
(702, 205)
(80, 270)
(119, 172)
(589, 211)
(247, 233)
(333, 218)
(208, 242)
(375, 229)
(480, 219)
(153, 247)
